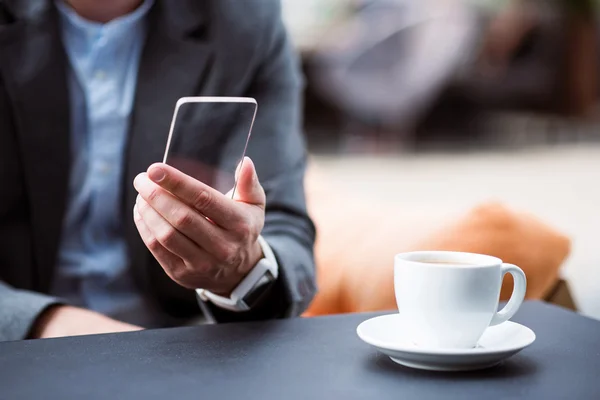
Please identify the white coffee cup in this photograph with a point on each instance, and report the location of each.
(448, 299)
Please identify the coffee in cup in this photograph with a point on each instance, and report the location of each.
(448, 299)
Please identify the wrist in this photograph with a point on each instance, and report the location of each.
(63, 320)
(252, 288)
(46, 324)
(254, 256)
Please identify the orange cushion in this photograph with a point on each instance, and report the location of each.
(356, 244)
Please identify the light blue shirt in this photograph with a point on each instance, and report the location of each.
(93, 270)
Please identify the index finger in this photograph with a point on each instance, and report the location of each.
(208, 201)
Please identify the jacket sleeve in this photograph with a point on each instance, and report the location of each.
(18, 308)
(278, 150)
(18, 311)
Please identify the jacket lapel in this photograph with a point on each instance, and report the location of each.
(34, 70)
(174, 64)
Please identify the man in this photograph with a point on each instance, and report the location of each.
(87, 90)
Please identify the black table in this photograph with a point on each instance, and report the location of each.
(318, 358)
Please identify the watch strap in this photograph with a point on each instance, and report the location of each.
(263, 273)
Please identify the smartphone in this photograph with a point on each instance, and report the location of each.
(209, 137)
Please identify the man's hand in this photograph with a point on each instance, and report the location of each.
(61, 321)
(201, 237)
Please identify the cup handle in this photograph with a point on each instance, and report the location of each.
(518, 294)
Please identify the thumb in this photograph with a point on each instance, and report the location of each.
(249, 189)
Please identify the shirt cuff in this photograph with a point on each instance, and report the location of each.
(268, 255)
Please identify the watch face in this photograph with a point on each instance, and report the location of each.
(259, 289)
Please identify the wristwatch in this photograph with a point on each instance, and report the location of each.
(250, 290)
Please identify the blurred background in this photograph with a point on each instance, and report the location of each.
(435, 106)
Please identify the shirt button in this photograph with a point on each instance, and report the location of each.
(104, 168)
(100, 75)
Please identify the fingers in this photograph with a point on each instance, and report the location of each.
(169, 261)
(170, 238)
(249, 189)
(171, 216)
(206, 200)
(181, 259)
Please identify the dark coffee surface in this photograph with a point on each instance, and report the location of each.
(318, 358)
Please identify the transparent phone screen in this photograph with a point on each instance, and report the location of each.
(209, 137)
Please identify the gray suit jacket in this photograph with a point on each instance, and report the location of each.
(194, 47)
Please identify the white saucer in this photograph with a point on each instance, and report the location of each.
(499, 342)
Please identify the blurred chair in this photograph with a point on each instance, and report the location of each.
(534, 57)
(357, 242)
(388, 63)
(421, 71)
